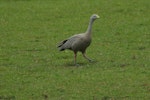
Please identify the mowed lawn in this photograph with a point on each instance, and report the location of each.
(31, 67)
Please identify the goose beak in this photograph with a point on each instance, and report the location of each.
(97, 16)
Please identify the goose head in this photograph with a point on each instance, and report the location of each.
(94, 17)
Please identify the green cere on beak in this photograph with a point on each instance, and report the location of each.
(97, 16)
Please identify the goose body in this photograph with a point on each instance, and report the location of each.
(79, 42)
(75, 43)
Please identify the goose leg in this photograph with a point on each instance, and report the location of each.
(86, 57)
(75, 56)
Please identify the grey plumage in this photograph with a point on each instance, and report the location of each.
(79, 42)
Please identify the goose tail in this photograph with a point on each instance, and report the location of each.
(60, 45)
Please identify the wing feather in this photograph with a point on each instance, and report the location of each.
(68, 43)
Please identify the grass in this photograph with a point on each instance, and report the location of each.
(31, 68)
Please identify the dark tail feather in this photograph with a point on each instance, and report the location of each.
(60, 45)
(60, 49)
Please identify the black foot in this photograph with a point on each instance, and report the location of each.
(91, 60)
(77, 65)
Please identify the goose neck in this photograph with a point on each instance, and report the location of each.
(89, 29)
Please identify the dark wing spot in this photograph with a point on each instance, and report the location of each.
(61, 43)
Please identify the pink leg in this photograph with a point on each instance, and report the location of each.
(86, 57)
(75, 56)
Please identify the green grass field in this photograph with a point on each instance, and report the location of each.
(31, 67)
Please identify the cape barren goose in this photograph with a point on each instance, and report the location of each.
(79, 42)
